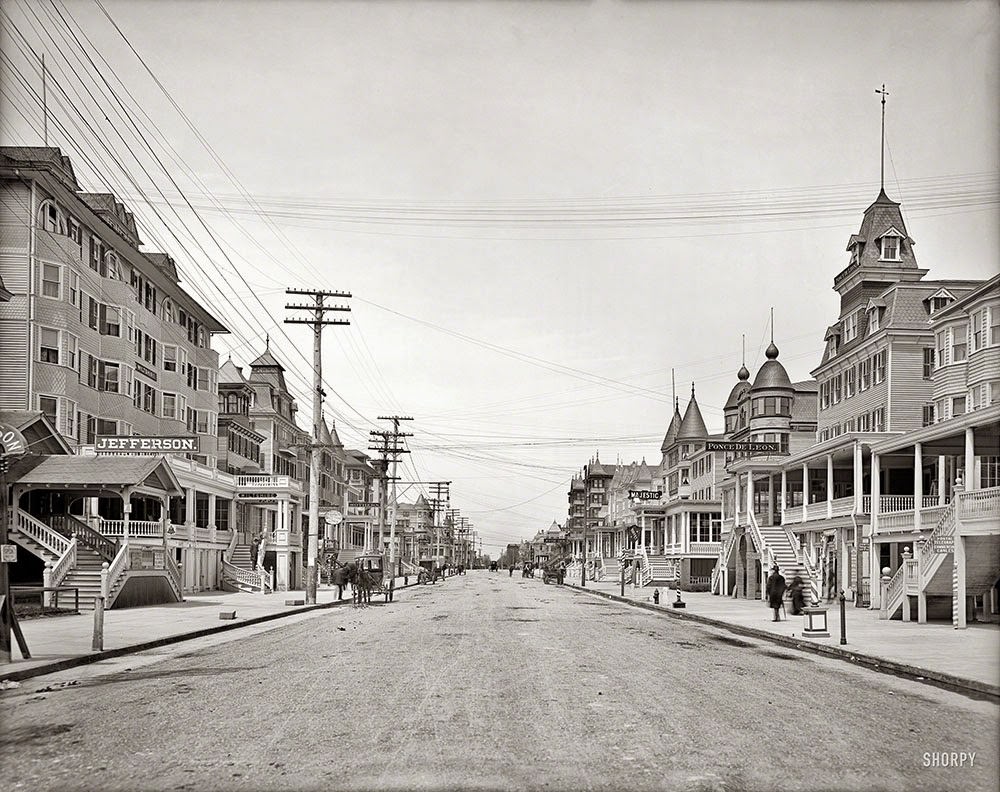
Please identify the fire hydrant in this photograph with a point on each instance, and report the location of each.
(656, 596)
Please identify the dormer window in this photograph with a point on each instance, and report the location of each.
(890, 248)
(850, 327)
(874, 318)
(938, 303)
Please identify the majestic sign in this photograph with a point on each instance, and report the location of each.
(119, 444)
(11, 440)
(746, 446)
(645, 494)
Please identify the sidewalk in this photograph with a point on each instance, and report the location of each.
(57, 642)
(972, 654)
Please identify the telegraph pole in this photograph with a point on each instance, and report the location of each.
(318, 321)
(396, 450)
(439, 502)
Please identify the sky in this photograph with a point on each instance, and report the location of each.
(541, 209)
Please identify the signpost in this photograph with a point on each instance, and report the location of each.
(12, 443)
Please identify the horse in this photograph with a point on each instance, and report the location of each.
(361, 585)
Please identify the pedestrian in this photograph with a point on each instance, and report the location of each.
(775, 591)
(797, 589)
(340, 580)
(254, 548)
(511, 574)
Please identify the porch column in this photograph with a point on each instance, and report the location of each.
(918, 486)
(211, 510)
(770, 498)
(958, 598)
(858, 479)
(805, 492)
(642, 530)
(685, 530)
(829, 486)
(749, 495)
(970, 463)
(127, 512)
(784, 494)
(941, 480)
(164, 517)
(190, 496)
(876, 491)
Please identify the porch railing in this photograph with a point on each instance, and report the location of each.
(705, 548)
(55, 574)
(843, 506)
(137, 528)
(979, 504)
(116, 571)
(793, 514)
(87, 537)
(173, 573)
(48, 537)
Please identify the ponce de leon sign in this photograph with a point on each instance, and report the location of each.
(118, 444)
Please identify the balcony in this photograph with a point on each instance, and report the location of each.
(262, 485)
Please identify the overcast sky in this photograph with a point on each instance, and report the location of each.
(612, 189)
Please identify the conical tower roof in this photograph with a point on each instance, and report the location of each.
(266, 368)
(692, 425)
(671, 436)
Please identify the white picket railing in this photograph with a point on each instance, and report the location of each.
(173, 573)
(136, 528)
(248, 577)
(263, 481)
(979, 504)
(704, 548)
(65, 563)
(116, 572)
(894, 593)
(40, 533)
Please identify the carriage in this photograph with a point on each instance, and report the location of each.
(373, 577)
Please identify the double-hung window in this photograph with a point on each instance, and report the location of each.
(878, 367)
(49, 406)
(111, 320)
(169, 358)
(71, 346)
(52, 281)
(108, 377)
(169, 405)
(48, 345)
(995, 325)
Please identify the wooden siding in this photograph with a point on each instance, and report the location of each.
(14, 364)
(909, 391)
(860, 403)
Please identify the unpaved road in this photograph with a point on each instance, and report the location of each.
(488, 682)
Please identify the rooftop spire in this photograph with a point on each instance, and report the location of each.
(881, 152)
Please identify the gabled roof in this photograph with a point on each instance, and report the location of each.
(95, 473)
(41, 436)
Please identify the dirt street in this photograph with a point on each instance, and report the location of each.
(489, 682)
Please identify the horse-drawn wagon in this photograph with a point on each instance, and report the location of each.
(371, 576)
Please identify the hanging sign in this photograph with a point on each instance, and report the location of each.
(746, 446)
(11, 440)
(645, 494)
(130, 444)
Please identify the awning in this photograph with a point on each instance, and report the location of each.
(97, 473)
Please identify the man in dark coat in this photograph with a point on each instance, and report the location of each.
(797, 592)
(340, 580)
(775, 591)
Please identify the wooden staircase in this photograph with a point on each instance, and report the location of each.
(662, 570)
(242, 557)
(86, 576)
(610, 568)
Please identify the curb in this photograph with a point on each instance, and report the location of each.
(108, 654)
(969, 687)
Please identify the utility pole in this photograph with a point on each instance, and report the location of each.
(318, 321)
(451, 518)
(396, 450)
(439, 502)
